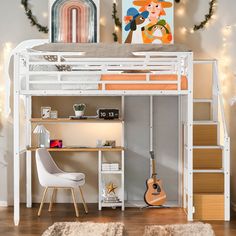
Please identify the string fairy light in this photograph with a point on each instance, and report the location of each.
(226, 60)
(226, 33)
(7, 49)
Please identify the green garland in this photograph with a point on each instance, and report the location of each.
(44, 29)
(32, 18)
(207, 16)
(116, 21)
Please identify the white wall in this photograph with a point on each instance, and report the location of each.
(15, 27)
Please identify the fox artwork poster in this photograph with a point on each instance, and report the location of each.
(148, 21)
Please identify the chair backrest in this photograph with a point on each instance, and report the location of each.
(45, 165)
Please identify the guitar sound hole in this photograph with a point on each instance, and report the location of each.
(157, 187)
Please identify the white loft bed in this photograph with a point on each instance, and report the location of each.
(35, 76)
(104, 69)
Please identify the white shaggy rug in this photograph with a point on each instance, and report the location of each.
(193, 229)
(84, 229)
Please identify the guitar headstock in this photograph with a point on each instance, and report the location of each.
(152, 155)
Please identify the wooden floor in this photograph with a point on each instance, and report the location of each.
(134, 219)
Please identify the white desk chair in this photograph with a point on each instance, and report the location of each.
(50, 176)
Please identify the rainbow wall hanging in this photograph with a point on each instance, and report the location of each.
(148, 21)
(74, 21)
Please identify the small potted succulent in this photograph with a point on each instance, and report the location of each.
(79, 109)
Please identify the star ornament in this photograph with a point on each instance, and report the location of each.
(111, 188)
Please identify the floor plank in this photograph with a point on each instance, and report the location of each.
(134, 219)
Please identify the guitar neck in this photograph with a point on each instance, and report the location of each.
(154, 174)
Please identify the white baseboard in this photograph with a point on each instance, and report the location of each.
(3, 204)
(233, 204)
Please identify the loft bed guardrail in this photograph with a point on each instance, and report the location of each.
(74, 73)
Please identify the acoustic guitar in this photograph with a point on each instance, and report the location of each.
(155, 195)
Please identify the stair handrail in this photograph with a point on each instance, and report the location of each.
(226, 150)
(219, 94)
(216, 83)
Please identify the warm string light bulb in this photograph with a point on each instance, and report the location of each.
(116, 28)
(45, 14)
(180, 11)
(227, 31)
(103, 21)
(185, 30)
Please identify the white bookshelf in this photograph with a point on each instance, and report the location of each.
(110, 175)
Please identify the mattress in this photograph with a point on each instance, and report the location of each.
(106, 50)
(144, 86)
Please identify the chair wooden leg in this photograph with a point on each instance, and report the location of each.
(42, 202)
(75, 204)
(52, 199)
(84, 203)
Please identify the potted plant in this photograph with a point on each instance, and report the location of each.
(79, 109)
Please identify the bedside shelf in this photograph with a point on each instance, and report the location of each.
(74, 149)
(68, 120)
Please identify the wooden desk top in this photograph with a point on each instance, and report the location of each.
(68, 120)
(80, 149)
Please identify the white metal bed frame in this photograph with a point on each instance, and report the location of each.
(178, 63)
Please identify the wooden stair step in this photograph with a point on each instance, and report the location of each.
(202, 109)
(208, 171)
(208, 206)
(208, 147)
(205, 122)
(205, 134)
(207, 158)
(208, 182)
(202, 100)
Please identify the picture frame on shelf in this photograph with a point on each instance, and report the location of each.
(45, 112)
(54, 114)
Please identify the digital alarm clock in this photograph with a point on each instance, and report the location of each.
(108, 114)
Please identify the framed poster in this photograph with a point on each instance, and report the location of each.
(74, 21)
(148, 21)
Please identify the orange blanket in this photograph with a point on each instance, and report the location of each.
(129, 77)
